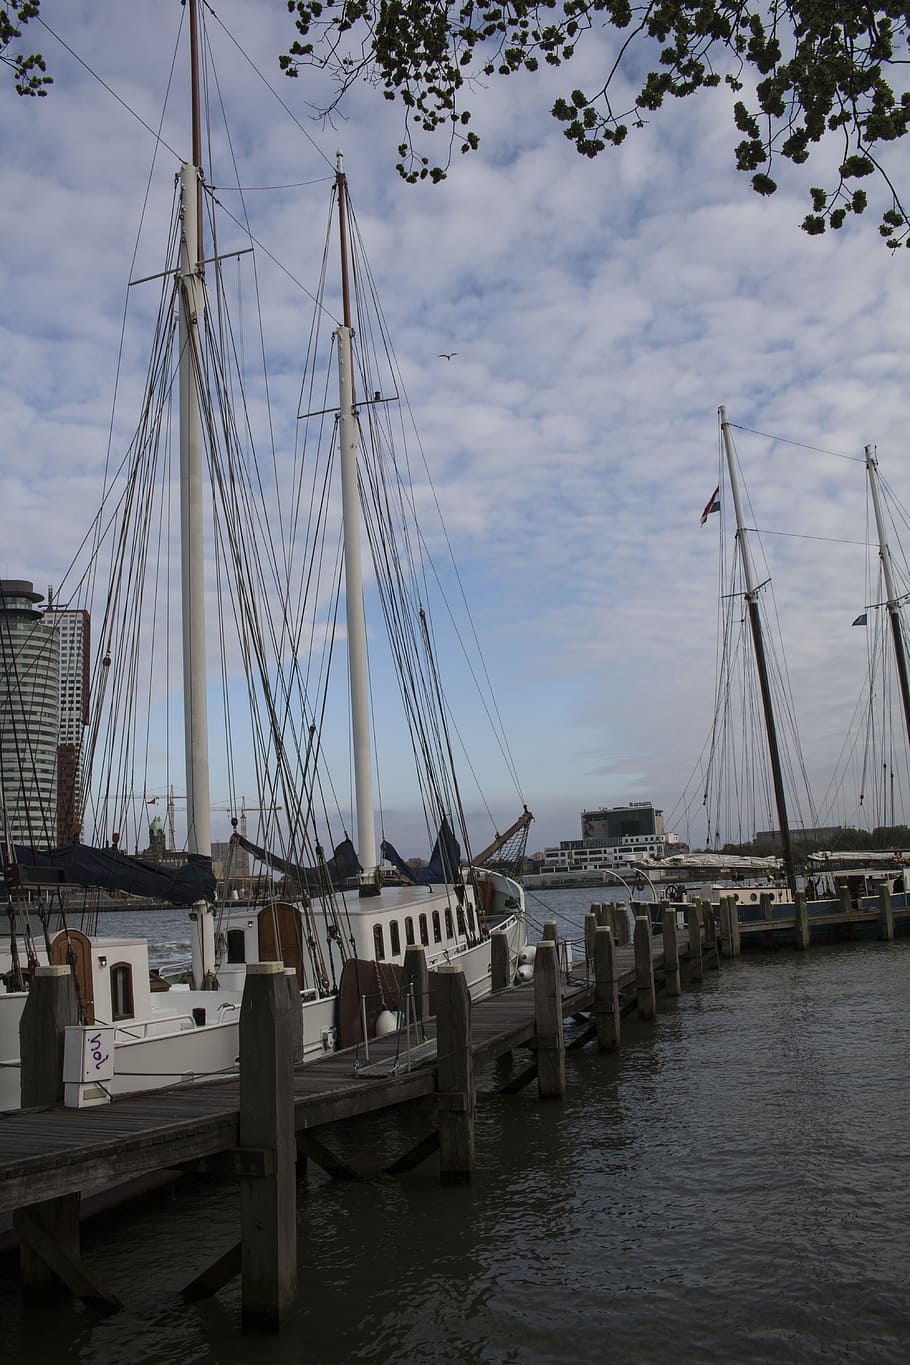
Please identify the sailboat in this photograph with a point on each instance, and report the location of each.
(770, 895)
(340, 922)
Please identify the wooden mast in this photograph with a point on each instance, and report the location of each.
(752, 588)
(893, 600)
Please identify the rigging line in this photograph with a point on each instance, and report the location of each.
(818, 450)
(253, 189)
(94, 74)
(800, 535)
(274, 259)
(248, 59)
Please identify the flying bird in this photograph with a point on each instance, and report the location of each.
(447, 356)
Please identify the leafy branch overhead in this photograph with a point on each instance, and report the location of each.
(28, 68)
(801, 71)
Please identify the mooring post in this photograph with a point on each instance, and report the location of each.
(268, 1197)
(415, 974)
(695, 969)
(766, 905)
(712, 951)
(590, 931)
(726, 937)
(551, 1045)
(52, 1005)
(802, 920)
(296, 1005)
(671, 952)
(500, 965)
(607, 1016)
(644, 968)
(843, 895)
(550, 932)
(885, 914)
(735, 938)
(455, 1075)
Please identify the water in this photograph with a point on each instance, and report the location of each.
(732, 1187)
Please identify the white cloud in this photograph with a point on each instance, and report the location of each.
(601, 311)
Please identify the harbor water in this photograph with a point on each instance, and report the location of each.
(733, 1186)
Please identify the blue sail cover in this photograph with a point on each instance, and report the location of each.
(444, 864)
(108, 868)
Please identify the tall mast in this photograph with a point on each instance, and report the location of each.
(349, 431)
(760, 659)
(890, 591)
(192, 305)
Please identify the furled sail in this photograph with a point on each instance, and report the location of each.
(111, 870)
(340, 868)
(444, 864)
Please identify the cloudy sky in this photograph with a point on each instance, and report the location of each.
(601, 311)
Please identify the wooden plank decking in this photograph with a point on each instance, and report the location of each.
(45, 1153)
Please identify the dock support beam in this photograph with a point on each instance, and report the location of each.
(268, 1200)
(500, 967)
(607, 1016)
(695, 970)
(644, 969)
(415, 977)
(52, 1005)
(886, 914)
(551, 1046)
(455, 1075)
(802, 920)
(672, 982)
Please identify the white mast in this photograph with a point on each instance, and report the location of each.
(348, 434)
(192, 539)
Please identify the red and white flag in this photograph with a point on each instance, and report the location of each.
(712, 505)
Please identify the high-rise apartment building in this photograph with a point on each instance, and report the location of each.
(73, 633)
(29, 715)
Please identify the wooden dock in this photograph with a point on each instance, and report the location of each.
(253, 1125)
(802, 923)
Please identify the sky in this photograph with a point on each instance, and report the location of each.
(599, 311)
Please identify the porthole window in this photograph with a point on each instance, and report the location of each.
(424, 931)
(395, 937)
(450, 932)
(437, 930)
(378, 943)
(409, 930)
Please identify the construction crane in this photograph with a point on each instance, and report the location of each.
(245, 809)
(172, 798)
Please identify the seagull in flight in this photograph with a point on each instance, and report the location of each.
(447, 355)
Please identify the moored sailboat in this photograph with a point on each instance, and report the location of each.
(336, 922)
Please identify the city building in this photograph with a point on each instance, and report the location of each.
(612, 837)
(73, 633)
(29, 715)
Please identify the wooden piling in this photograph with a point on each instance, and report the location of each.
(766, 905)
(500, 963)
(607, 1016)
(644, 969)
(694, 969)
(296, 1013)
(590, 931)
(550, 932)
(885, 915)
(733, 922)
(456, 1101)
(268, 1199)
(802, 920)
(712, 949)
(551, 1047)
(843, 895)
(51, 1007)
(415, 979)
(672, 983)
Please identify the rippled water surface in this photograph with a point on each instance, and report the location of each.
(732, 1187)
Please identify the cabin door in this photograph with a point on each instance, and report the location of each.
(281, 936)
(73, 949)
